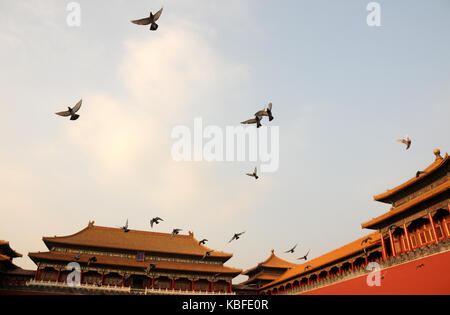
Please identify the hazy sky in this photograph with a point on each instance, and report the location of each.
(342, 93)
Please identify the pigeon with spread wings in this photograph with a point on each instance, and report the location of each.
(406, 141)
(155, 221)
(175, 232)
(236, 236)
(207, 254)
(150, 20)
(266, 112)
(304, 257)
(256, 120)
(292, 250)
(125, 227)
(255, 173)
(71, 111)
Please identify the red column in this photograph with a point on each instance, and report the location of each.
(444, 226)
(408, 240)
(340, 270)
(172, 285)
(153, 282)
(36, 276)
(59, 274)
(366, 260)
(123, 281)
(383, 246)
(352, 265)
(211, 287)
(392, 243)
(192, 285)
(231, 287)
(433, 227)
(103, 277)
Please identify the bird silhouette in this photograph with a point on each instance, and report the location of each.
(125, 227)
(92, 260)
(236, 236)
(304, 257)
(150, 268)
(155, 221)
(420, 266)
(256, 120)
(72, 111)
(207, 254)
(175, 232)
(364, 241)
(266, 112)
(292, 250)
(77, 257)
(308, 267)
(254, 174)
(150, 20)
(203, 242)
(406, 141)
(420, 173)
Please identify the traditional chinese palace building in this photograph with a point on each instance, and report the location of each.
(113, 261)
(409, 252)
(10, 274)
(263, 273)
(406, 252)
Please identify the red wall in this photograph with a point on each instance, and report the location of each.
(432, 278)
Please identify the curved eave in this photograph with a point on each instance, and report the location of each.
(387, 196)
(377, 222)
(131, 263)
(224, 256)
(68, 240)
(339, 254)
(274, 262)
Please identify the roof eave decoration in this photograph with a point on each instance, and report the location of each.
(433, 167)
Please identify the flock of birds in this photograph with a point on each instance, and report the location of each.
(258, 118)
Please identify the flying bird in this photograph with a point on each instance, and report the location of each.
(420, 266)
(77, 257)
(92, 260)
(364, 241)
(150, 268)
(308, 267)
(266, 112)
(202, 242)
(150, 20)
(236, 236)
(305, 257)
(254, 174)
(155, 221)
(292, 249)
(207, 254)
(175, 232)
(256, 120)
(420, 173)
(125, 227)
(406, 141)
(72, 111)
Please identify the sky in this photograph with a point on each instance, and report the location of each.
(342, 93)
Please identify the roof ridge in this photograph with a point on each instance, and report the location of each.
(429, 170)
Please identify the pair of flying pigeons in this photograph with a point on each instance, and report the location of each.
(259, 116)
